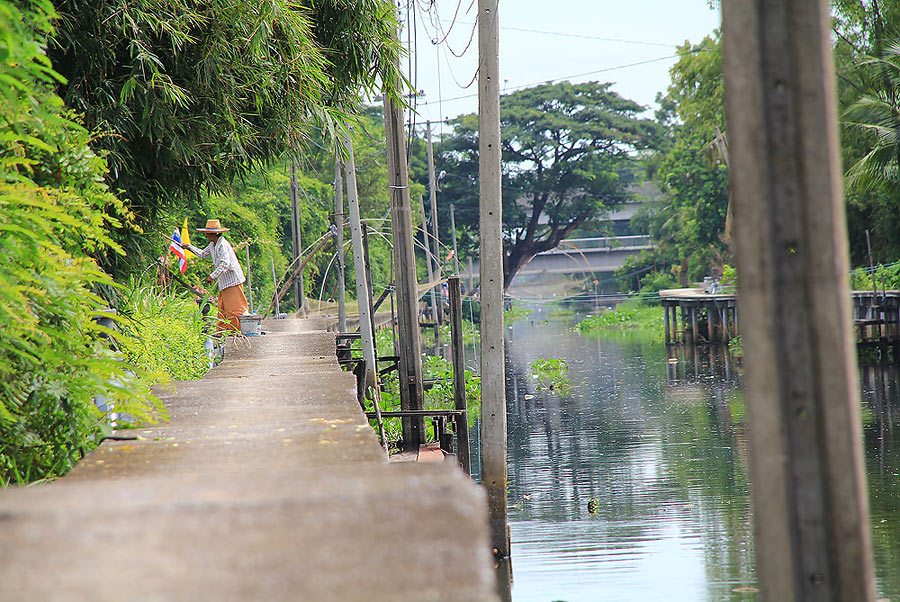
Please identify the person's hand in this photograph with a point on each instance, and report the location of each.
(208, 279)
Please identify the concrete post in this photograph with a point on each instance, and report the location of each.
(359, 268)
(339, 244)
(410, 375)
(809, 491)
(493, 382)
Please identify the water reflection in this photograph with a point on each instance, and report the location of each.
(880, 393)
(633, 486)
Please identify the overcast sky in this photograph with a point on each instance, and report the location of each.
(584, 40)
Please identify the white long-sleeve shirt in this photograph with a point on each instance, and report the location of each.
(226, 269)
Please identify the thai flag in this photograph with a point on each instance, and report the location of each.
(178, 250)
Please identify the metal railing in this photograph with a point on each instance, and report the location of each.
(601, 243)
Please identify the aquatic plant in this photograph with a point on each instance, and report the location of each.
(515, 313)
(628, 315)
(551, 373)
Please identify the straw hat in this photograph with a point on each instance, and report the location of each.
(214, 226)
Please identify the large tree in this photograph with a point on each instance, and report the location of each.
(568, 156)
(186, 96)
(867, 58)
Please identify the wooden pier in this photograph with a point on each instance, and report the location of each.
(705, 318)
(694, 317)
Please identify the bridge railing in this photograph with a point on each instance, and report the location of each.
(606, 242)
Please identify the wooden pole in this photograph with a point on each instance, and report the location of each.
(411, 395)
(369, 284)
(806, 455)
(359, 269)
(298, 243)
(275, 289)
(437, 296)
(666, 312)
(339, 243)
(493, 388)
(249, 284)
(459, 372)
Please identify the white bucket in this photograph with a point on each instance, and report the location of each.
(250, 324)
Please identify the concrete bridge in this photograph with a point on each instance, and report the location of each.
(582, 255)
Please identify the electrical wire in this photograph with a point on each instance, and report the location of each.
(567, 77)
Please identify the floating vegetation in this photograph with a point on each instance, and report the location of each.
(630, 315)
(552, 374)
(515, 313)
(736, 346)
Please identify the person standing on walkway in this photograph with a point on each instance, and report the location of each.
(227, 272)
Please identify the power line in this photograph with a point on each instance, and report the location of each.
(604, 70)
(583, 36)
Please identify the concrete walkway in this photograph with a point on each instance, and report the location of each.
(267, 484)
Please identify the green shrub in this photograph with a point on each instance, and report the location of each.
(886, 276)
(55, 217)
(164, 334)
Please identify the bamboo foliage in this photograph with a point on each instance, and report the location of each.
(54, 210)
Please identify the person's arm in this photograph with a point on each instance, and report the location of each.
(202, 253)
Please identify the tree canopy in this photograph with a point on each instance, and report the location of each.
(186, 96)
(568, 155)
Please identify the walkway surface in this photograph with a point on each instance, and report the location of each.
(266, 484)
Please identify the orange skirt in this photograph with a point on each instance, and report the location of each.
(232, 305)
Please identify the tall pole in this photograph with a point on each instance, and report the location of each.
(359, 267)
(453, 229)
(459, 373)
(298, 243)
(275, 289)
(493, 390)
(339, 243)
(806, 454)
(249, 285)
(432, 194)
(411, 395)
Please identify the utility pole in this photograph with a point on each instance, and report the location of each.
(453, 229)
(493, 378)
(806, 456)
(359, 269)
(298, 245)
(339, 243)
(411, 394)
(432, 194)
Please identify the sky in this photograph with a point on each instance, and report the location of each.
(582, 40)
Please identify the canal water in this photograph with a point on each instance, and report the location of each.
(633, 484)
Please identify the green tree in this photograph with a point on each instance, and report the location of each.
(188, 96)
(568, 155)
(689, 225)
(867, 63)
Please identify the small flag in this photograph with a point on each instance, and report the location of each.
(178, 251)
(186, 240)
